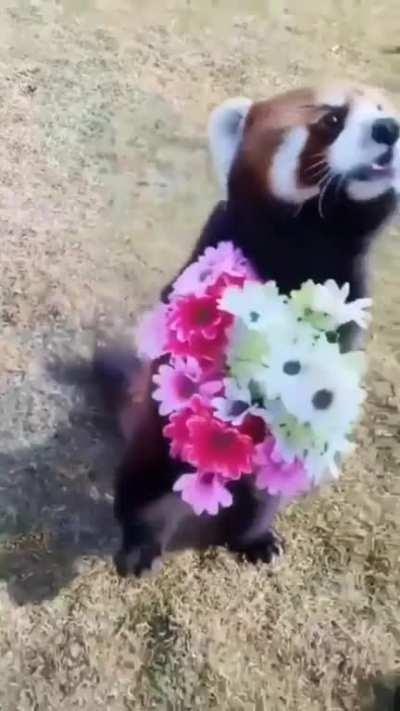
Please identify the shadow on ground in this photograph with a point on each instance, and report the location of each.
(381, 693)
(56, 500)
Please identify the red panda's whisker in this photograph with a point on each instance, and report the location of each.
(323, 177)
(315, 166)
(339, 184)
(319, 173)
(325, 186)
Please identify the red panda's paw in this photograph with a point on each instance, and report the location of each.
(139, 561)
(268, 549)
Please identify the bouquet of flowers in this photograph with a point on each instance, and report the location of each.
(252, 382)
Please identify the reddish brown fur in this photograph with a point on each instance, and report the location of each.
(265, 125)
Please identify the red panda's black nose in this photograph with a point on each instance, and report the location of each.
(385, 130)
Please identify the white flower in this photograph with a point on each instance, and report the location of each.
(236, 403)
(332, 299)
(259, 306)
(325, 305)
(318, 398)
(292, 437)
(317, 384)
(309, 393)
(323, 465)
(247, 352)
(327, 395)
(286, 358)
(319, 454)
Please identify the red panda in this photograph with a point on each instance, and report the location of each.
(310, 177)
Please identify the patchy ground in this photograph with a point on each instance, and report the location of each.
(104, 184)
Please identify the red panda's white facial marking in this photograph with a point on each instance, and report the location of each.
(293, 146)
(283, 173)
(365, 151)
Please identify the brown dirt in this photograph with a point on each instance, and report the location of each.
(103, 188)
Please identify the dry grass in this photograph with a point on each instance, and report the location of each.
(104, 184)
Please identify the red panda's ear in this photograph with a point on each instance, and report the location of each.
(225, 129)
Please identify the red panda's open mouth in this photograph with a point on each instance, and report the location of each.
(381, 167)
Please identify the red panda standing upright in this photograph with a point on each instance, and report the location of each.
(311, 176)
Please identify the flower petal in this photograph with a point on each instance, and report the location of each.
(203, 492)
(151, 332)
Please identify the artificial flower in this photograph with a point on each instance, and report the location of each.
(197, 327)
(205, 350)
(252, 381)
(247, 352)
(217, 289)
(225, 260)
(215, 446)
(191, 315)
(177, 432)
(260, 306)
(321, 388)
(177, 383)
(293, 438)
(302, 302)
(204, 492)
(322, 464)
(332, 299)
(325, 306)
(177, 428)
(151, 334)
(276, 475)
(317, 383)
(235, 404)
(287, 358)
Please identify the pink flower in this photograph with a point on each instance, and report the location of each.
(177, 383)
(191, 316)
(198, 328)
(204, 492)
(216, 447)
(223, 259)
(223, 281)
(203, 349)
(151, 333)
(177, 430)
(277, 476)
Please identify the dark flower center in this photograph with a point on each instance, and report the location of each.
(322, 399)
(238, 408)
(205, 314)
(332, 337)
(185, 387)
(207, 478)
(223, 440)
(292, 367)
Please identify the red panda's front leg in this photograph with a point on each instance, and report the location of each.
(139, 550)
(256, 541)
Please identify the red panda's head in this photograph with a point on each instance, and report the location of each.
(294, 146)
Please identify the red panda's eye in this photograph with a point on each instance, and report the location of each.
(333, 120)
